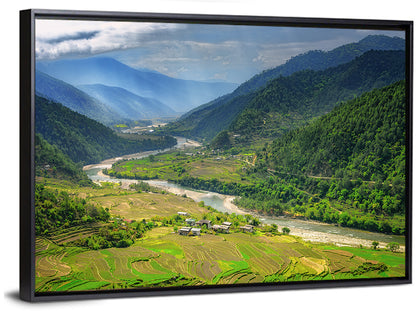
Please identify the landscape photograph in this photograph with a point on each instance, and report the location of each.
(175, 155)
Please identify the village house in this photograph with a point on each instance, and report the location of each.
(196, 231)
(221, 228)
(184, 230)
(190, 222)
(247, 228)
(226, 223)
(182, 213)
(204, 222)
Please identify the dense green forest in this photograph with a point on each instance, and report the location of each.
(354, 155)
(51, 162)
(363, 138)
(57, 212)
(289, 102)
(57, 209)
(85, 140)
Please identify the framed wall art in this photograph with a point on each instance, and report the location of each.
(166, 154)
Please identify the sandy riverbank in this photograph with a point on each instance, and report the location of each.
(182, 144)
(191, 143)
(109, 162)
(336, 239)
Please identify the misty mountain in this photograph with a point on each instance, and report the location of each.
(127, 104)
(179, 95)
(320, 60)
(74, 99)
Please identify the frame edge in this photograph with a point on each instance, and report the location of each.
(27, 108)
(26, 286)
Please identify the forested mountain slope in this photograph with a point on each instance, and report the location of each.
(288, 102)
(363, 138)
(83, 139)
(320, 60)
(189, 124)
(352, 161)
(52, 162)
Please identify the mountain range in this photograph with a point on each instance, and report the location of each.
(320, 60)
(180, 95)
(74, 99)
(208, 120)
(127, 104)
(111, 92)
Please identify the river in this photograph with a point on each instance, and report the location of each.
(308, 230)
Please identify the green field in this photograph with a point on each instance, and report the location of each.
(163, 258)
(173, 165)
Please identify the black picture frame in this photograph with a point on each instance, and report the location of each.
(27, 143)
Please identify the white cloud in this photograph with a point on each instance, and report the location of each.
(57, 38)
(188, 51)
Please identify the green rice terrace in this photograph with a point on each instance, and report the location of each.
(118, 239)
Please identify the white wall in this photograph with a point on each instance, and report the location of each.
(375, 298)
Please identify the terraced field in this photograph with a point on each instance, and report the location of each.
(163, 258)
(147, 205)
(60, 237)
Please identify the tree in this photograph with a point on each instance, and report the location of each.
(375, 244)
(285, 230)
(393, 246)
(221, 141)
(255, 222)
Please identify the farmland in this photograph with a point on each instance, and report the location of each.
(160, 257)
(175, 164)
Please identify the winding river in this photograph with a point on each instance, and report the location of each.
(308, 230)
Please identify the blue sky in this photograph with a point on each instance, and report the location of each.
(188, 51)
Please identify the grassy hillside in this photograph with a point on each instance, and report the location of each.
(85, 140)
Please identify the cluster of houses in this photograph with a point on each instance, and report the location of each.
(223, 228)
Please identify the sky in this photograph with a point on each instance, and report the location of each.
(229, 53)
